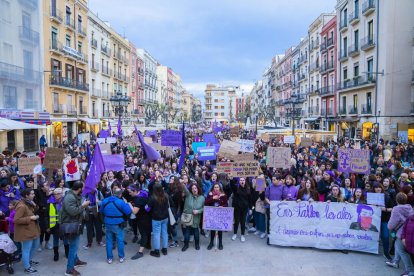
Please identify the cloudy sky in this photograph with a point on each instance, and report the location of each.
(213, 41)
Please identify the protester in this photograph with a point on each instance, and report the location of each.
(93, 221)
(216, 198)
(53, 209)
(242, 203)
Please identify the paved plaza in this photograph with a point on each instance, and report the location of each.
(253, 257)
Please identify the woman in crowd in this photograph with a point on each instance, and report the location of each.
(27, 230)
(290, 191)
(308, 193)
(324, 186)
(346, 189)
(335, 195)
(358, 197)
(176, 193)
(93, 221)
(242, 203)
(216, 198)
(193, 205)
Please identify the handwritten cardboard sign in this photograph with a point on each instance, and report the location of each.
(306, 141)
(26, 165)
(234, 131)
(246, 145)
(289, 139)
(157, 146)
(105, 149)
(354, 161)
(170, 137)
(225, 167)
(265, 137)
(376, 199)
(218, 218)
(260, 184)
(245, 169)
(278, 157)
(245, 156)
(148, 140)
(54, 158)
(229, 149)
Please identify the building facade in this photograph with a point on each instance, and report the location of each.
(220, 103)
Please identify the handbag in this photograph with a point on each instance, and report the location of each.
(69, 229)
(171, 215)
(259, 207)
(187, 219)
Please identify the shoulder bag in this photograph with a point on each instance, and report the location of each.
(170, 214)
(187, 219)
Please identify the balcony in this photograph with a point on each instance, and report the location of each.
(71, 110)
(56, 15)
(327, 91)
(12, 72)
(327, 67)
(353, 50)
(353, 110)
(106, 71)
(366, 109)
(353, 17)
(30, 4)
(68, 83)
(81, 31)
(83, 110)
(106, 50)
(70, 25)
(302, 59)
(342, 111)
(314, 90)
(58, 108)
(314, 110)
(323, 47)
(344, 56)
(95, 92)
(94, 43)
(74, 54)
(314, 67)
(30, 104)
(303, 77)
(55, 47)
(94, 66)
(368, 43)
(368, 7)
(343, 26)
(330, 43)
(29, 36)
(314, 45)
(356, 82)
(331, 111)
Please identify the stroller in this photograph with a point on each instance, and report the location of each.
(7, 248)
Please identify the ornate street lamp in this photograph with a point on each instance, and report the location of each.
(120, 104)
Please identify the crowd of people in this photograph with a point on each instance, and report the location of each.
(157, 201)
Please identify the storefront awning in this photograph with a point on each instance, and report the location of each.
(34, 121)
(312, 119)
(63, 119)
(6, 124)
(345, 120)
(90, 121)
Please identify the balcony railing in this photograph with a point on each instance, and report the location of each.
(56, 15)
(29, 35)
(56, 46)
(94, 66)
(21, 74)
(356, 82)
(81, 31)
(69, 23)
(343, 25)
(314, 110)
(353, 17)
(327, 66)
(368, 7)
(71, 110)
(303, 77)
(323, 46)
(94, 43)
(366, 109)
(314, 66)
(303, 59)
(326, 90)
(83, 110)
(106, 50)
(353, 50)
(75, 54)
(344, 55)
(58, 108)
(69, 83)
(353, 110)
(342, 110)
(314, 44)
(330, 42)
(368, 43)
(106, 71)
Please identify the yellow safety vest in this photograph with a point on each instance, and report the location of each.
(53, 216)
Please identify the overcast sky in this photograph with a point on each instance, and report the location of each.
(213, 41)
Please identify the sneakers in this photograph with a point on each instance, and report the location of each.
(164, 251)
(79, 263)
(257, 233)
(121, 260)
(234, 237)
(252, 230)
(34, 263)
(135, 239)
(137, 256)
(30, 270)
(86, 247)
(72, 272)
(109, 261)
(155, 253)
(48, 246)
(191, 238)
(173, 244)
(207, 234)
(39, 249)
(242, 238)
(392, 264)
(263, 235)
(101, 244)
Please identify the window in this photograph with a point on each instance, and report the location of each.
(5, 10)
(30, 139)
(8, 52)
(345, 72)
(356, 70)
(344, 17)
(356, 39)
(69, 72)
(371, 31)
(68, 38)
(80, 47)
(355, 101)
(10, 96)
(345, 47)
(356, 7)
(369, 100)
(370, 67)
(343, 105)
(79, 23)
(54, 37)
(222, 113)
(55, 98)
(93, 109)
(29, 103)
(68, 13)
(216, 114)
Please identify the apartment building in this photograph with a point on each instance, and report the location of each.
(21, 72)
(150, 76)
(66, 64)
(303, 70)
(133, 84)
(140, 86)
(220, 103)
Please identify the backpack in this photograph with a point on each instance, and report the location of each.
(408, 230)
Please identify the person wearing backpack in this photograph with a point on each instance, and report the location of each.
(116, 212)
(399, 215)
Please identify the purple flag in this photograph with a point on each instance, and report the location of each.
(114, 162)
(183, 150)
(96, 168)
(104, 133)
(197, 138)
(120, 132)
(149, 152)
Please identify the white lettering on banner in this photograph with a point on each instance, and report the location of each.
(289, 139)
(246, 145)
(325, 225)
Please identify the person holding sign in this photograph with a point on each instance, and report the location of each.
(242, 203)
(216, 198)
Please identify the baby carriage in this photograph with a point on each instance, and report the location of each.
(7, 248)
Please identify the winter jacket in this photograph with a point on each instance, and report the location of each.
(398, 216)
(112, 214)
(242, 198)
(193, 203)
(71, 208)
(25, 228)
(220, 202)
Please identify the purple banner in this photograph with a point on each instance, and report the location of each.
(171, 138)
(354, 161)
(150, 133)
(114, 162)
(210, 139)
(206, 153)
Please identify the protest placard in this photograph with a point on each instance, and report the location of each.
(111, 140)
(278, 157)
(71, 169)
(289, 139)
(354, 161)
(234, 131)
(150, 133)
(376, 199)
(26, 165)
(157, 146)
(206, 153)
(105, 149)
(306, 141)
(246, 145)
(196, 145)
(171, 138)
(229, 149)
(218, 218)
(245, 168)
(54, 158)
(245, 157)
(114, 162)
(148, 140)
(210, 139)
(324, 225)
(260, 184)
(169, 151)
(225, 167)
(82, 137)
(101, 140)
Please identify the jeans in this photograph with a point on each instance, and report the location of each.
(94, 228)
(159, 230)
(117, 231)
(73, 252)
(28, 248)
(188, 230)
(240, 218)
(260, 219)
(268, 220)
(385, 238)
(404, 256)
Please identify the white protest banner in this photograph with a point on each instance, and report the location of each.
(26, 165)
(278, 157)
(245, 157)
(229, 149)
(246, 145)
(376, 199)
(71, 168)
(105, 149)
(111, 140)
(218, 218)
(289, 139)
(101, 140)
(325, 225)
(245, 169)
